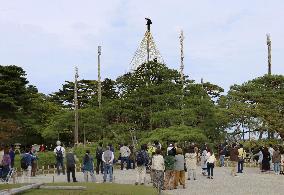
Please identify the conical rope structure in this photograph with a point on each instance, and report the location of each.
(147, 51)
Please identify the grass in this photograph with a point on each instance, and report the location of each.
(98, 189)
(9, 186)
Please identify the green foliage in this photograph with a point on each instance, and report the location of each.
(258, 104)
(149, 100)
(175, 133)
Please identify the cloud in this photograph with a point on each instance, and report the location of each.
(224, 44)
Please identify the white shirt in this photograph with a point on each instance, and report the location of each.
(158, 163)
(58, 148)
(270, 150)
(125, 151)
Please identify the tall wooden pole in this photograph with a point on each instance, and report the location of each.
(181, 37)
(99, 77)
(268, 41)
(76, 107)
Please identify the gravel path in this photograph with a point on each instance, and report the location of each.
(250, 182)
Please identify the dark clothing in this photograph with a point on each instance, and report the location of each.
(70, 166)
(125, 159)
(99, 166)
(99, 153)
(223, 151)
(234, 154)
(70, 159)
(240, 165)
(169, 162)
(71, 169)
(28, 158)
(145, 157)
(210, 167)
(59, 162)
(265, 161)
(174, 150)
(12, 157)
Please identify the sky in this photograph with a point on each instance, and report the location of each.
(225, 40)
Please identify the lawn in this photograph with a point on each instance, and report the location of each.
(9, 186)
(98, 189)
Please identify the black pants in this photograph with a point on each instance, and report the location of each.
(240, 165)
(99, 166)
(210, 167)
(72, 170)
(59, 162)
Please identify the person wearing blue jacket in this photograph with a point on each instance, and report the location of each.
(26, 165)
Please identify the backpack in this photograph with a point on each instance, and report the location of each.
(59, 154)
(24, 163)
(140, 158)
(99, 153)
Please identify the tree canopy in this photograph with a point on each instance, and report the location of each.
(150, 100)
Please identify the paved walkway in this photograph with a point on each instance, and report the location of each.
(250, 182)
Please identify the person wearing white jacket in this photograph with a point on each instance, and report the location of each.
(191, 163)
(210, 163)
(158, 167)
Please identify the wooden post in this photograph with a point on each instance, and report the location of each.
(268, 42)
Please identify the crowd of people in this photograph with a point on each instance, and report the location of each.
(167, 166)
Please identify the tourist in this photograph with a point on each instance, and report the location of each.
(170, 147)
(191, 163)
(108, 158)
(271, 150)
(203, 160)
(88, 167)
(169, 171)
(210, 164)
(12, 155)
(223, 153)
(157, 145)
(42, 148)
(260, 157)
(276, 160)
(6, 163)
(158, 167)
(59, 152)
(71, 165)
(266, 160)
(241, 156)
(151, 152)
(125, 153)
(99, 153)
(179, 169)
(34, 162)
(142, 161)
(234, 158)
(26, 165)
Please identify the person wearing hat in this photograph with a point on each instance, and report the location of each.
(59, 152)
